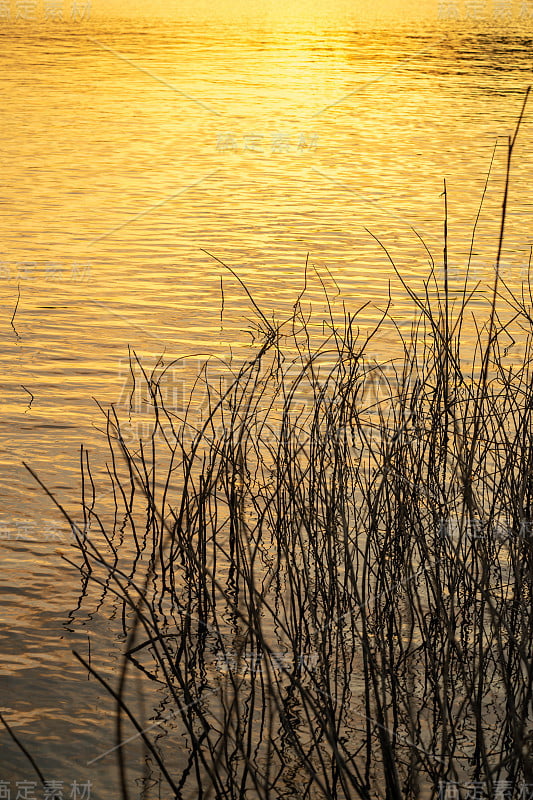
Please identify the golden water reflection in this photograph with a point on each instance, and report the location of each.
(135, 155)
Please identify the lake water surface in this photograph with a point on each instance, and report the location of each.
(135, 153)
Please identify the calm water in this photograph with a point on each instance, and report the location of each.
(131, 147)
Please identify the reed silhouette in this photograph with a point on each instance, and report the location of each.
(329, 584)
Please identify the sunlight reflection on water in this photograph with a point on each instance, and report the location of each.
(130, 149)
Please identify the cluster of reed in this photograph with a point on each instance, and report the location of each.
(330, 592)
(330, 587)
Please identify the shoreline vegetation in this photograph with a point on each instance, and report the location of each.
(325, 580)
